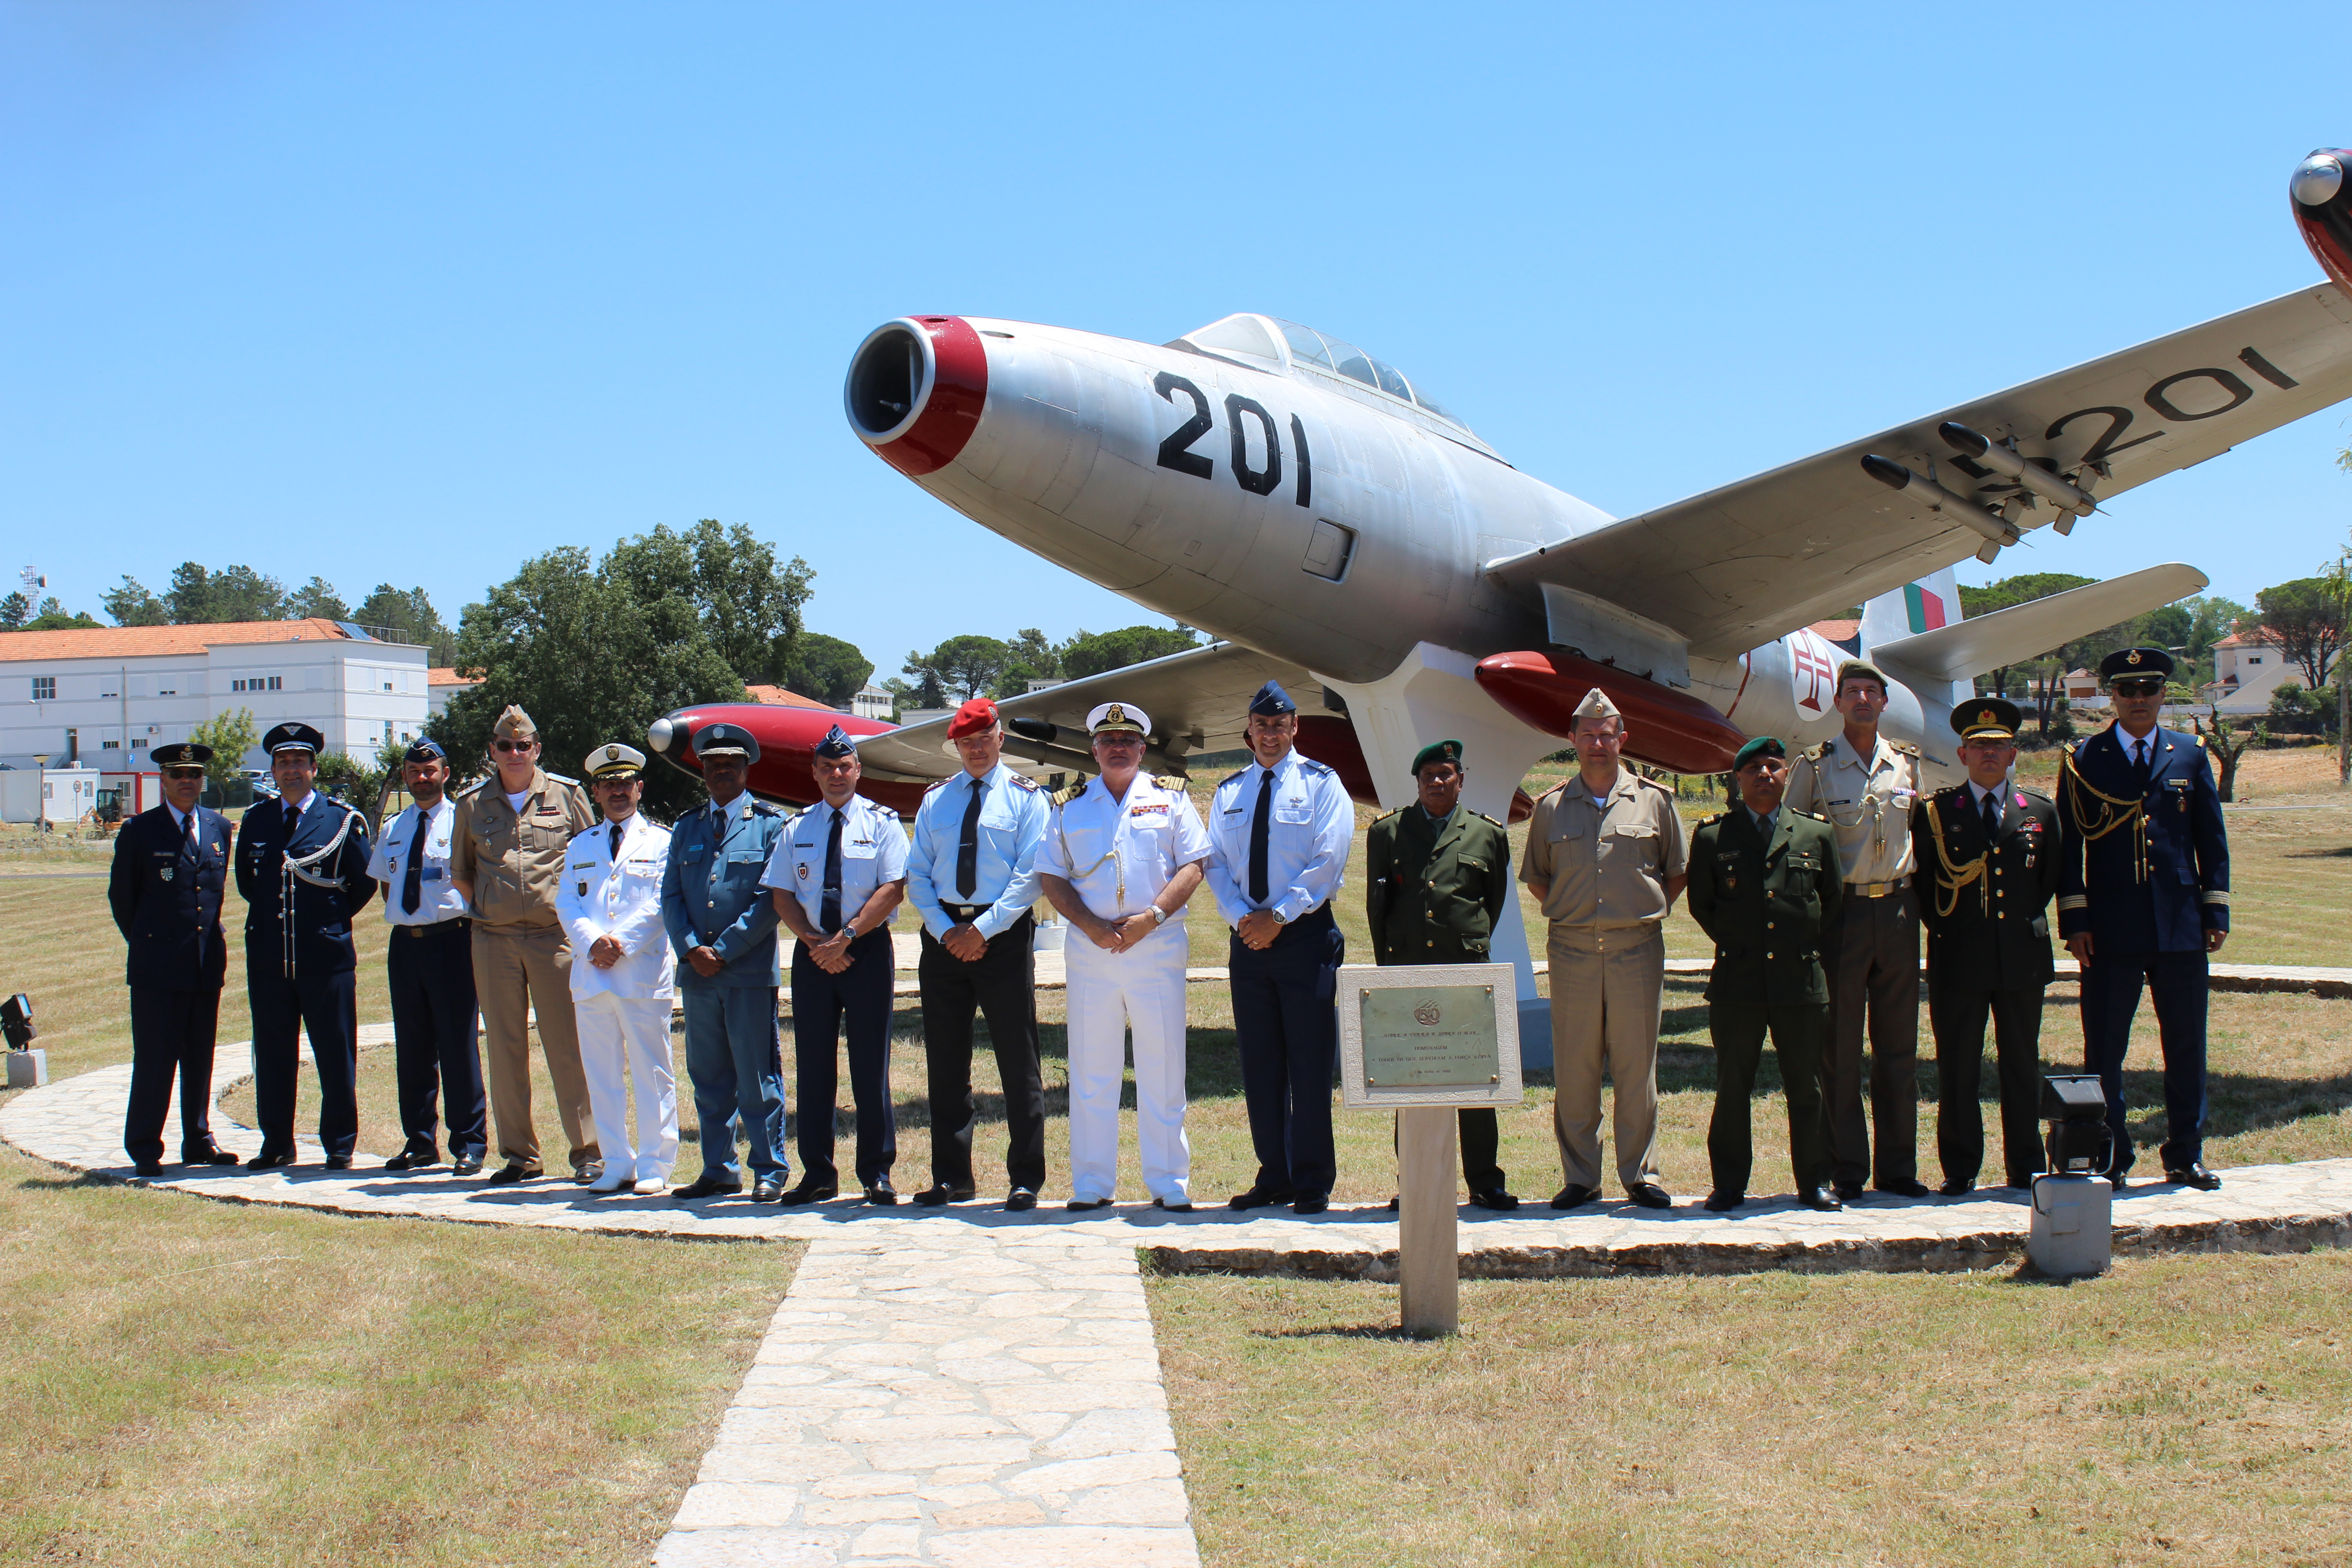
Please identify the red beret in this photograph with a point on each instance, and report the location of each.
(971, 719)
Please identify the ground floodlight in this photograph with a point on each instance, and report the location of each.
(2079, 1142)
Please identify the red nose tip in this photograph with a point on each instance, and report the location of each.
(915, 389)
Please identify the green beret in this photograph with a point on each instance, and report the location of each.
(1438, 751)
(1761, 746)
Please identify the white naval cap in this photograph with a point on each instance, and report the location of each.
(616, 761)
(1596, 705)
(1118, 719)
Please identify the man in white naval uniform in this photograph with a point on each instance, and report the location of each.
(1121, 857)
(624, 975)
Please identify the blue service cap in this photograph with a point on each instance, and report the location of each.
(294, 736)
(2127, 663)
(424, 748)
(1271, 700)
(181, 754)
(836, 744)
(727, 740)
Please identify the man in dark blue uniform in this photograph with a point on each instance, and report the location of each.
(170, 866)
(2143, 897)
(302, 870)
(1278, 833)
(723, 927)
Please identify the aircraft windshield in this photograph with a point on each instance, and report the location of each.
(1309, 346)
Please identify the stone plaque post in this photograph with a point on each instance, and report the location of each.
(1423, 1040)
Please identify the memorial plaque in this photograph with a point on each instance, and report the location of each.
(1430, 1034)
(1431, 1037)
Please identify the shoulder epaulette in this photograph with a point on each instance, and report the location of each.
(937, 783)
(564, 779)
(1386, 814)
(1169, 780)
(2200, 741)
(1815, 753)
(1020, 781)
(1065, 795)
(1234, 778)
(762, 808)
(1489, 820)
(1654, 783)
(586, 831)
(1815, 815)
(1308, 764)
(1711, 821)
(470, 789)
(1905, 747)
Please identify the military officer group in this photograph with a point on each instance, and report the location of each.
(518, 901)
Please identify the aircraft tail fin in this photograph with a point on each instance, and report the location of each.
(1960, 650)
(1931, 605)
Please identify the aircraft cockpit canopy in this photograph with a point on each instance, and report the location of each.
(1289, 346)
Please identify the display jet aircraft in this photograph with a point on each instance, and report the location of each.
(1338, 530)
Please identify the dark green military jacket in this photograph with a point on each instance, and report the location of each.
(1765, 905)
(1434, 897)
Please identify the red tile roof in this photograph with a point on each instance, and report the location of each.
(143, 642)
(777, 697)
(1836, 631)
(442, 674)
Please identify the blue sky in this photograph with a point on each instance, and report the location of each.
(412, 293)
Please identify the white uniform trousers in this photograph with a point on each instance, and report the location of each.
(1141, 989)
(622, 1038)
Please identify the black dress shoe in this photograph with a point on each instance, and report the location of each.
(1083, 1206)
(1020, 1200)
(339, 1162)
(1310, 1202)
(416, 1160)
(1721, 1202)
(148, 1168)
(881, 1194)
(1957, 1186)
(212, 1156)
(809, 1193)
(933, 1196)
(2195, 1175)
(1257, 1198)
(1494, 1198)
(1172, 1208)
(2119, 1179)
(768, 1189)
(709, 1184)
(1903, 1186)
(507, 1176)
(466, 1165)
(1651, 1196)
(1846, 1191)
(1393, 1204)
(1822, 1198)
(1574, 1195)
(268, 1162)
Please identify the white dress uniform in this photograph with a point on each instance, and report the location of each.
(624, 1011)
(1117, 854)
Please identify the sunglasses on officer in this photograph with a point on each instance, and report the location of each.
(515, 745)
(185, 770)
(2136, 685)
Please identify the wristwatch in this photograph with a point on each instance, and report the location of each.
(1159, 916)
(1279, 918)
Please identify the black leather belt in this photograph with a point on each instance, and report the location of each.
(965, 914)
(460, 923)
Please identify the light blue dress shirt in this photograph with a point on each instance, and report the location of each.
(438, 898)
(873, 852)
(1310, 822)
(1012, 824)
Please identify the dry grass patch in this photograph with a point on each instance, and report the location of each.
(1772, 1419)
(198, 1383)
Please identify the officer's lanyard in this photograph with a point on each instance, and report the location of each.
(1872, 807)
(1957, 874)
(291, 868)
(2116, 812)
(1117, 826)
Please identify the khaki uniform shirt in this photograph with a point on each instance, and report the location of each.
(1868, 804)
(1608, 868)
(515, 859)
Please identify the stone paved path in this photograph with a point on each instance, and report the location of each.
(955, 1397)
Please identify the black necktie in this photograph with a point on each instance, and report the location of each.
(828, 915)
(1991, 818)
(2139, 762)
(189, 845)
(616, 841)
(968, 850)
(412, 881)
(1258, 836)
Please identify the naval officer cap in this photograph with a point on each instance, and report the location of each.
(424, 748)
(181, 754)
(836, 744)
(293, 736)
(1118, 719)
(1272, 700)
(2134, 664)
(616, 763)
(1986, 718)
(1438, 751)
(514, 724)
(724, 740)
(1761, 746)
(972, 719)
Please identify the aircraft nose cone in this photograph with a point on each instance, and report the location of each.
(2316, 180)
(657, 736)
(914, 391)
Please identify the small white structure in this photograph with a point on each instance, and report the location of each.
(872, 702)
(442, 683)
(60, 796)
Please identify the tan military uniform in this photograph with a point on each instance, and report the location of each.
(522, 956)
(1871, 952)
(1607, 867)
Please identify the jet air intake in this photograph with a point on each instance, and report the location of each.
(914, 391)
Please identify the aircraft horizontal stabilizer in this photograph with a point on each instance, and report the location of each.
(2020, 632)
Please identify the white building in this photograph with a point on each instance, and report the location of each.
(2248, 667)
(442, 683)
(106, 696)
(872, 702)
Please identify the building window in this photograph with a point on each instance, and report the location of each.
(387, 686)
(2256, 658)
(109, 745)
(257, 683)
(45, 687)
(387, 729)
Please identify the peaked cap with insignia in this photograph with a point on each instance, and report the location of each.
(1986, 718)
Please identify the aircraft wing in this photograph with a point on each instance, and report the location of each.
(1961, 648)
(1736, 568)
(1198, 700)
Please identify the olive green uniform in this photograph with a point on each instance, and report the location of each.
(1765, 904)
(1605, 867)
(1434, 892)
(522, 956)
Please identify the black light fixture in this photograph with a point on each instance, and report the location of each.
(2079, 1142)
(16, 1021)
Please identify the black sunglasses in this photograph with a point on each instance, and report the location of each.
(2139, 686)
(194, 773)
(514, 745)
